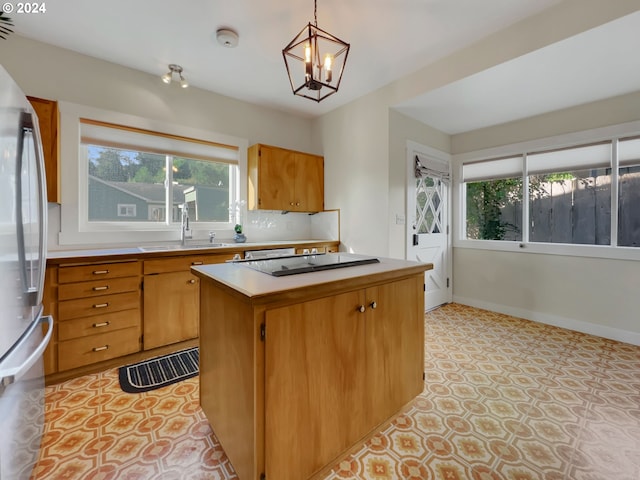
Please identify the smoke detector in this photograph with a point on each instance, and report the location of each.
(227, 37)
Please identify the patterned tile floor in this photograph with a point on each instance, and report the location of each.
(504, 398)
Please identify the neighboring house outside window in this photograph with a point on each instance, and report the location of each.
(139, 176)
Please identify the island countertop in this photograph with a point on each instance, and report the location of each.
(257, 287)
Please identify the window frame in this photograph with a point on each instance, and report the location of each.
(75, 229)
(612, 133)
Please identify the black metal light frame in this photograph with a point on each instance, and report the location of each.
(311, 79)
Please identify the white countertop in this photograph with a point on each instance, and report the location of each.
(174, 247)
(254, 284)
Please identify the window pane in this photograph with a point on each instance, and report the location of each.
(494, 209)
(125, 185)
(571, 207)
(628, 211)
(204, 185)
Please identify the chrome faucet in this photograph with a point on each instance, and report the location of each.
(185, 230)
(212, 236)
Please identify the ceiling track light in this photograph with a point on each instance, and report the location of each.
(315, 60)
(177, 69)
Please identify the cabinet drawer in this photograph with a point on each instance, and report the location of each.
(107, 286)
(83, 273)
(98, 324)
(84, 307)
(183, 263)
(96, 348)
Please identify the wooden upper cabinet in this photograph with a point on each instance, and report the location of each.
(281, 179)
(48, 119)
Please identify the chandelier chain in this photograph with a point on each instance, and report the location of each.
(315, 12)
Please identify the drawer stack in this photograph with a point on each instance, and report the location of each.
(99, 312)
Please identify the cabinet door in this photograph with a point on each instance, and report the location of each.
(394, 345)
(309, 183)
(314, 384)
(171, 308)
(47, 111)
(276, 179)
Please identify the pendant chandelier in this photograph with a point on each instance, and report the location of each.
(315, 60)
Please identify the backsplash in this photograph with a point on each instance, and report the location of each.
(259, 226)
(267, 225)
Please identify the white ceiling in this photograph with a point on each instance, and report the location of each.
(600, 63)
(389, 39)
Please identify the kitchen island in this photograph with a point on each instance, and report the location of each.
(295, 370)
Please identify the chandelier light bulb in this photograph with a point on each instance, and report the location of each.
(328, 61)
(166, 78)
(183, 82)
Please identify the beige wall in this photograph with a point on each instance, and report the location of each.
(616, 110)
(45, 71)
(592, 295)
(401, 130)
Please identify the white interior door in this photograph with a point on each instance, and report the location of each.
(428, 207)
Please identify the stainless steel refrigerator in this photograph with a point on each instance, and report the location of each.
(23, 233)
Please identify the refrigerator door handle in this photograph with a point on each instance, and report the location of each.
(42, 206)
(12, 374)
(29, 125)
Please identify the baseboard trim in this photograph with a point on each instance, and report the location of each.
(563, 322)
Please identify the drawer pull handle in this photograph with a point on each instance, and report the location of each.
(100, 349)
(100, 272)
(101, 305)
(192, 281)
(101, 324)
(361, 308)
(97, 289)
(373, 305)
(197, 263)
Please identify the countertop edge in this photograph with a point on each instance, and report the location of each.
(252, 285)
(57, 257)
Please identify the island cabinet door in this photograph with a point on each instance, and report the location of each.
(314, 384)
(394, 346)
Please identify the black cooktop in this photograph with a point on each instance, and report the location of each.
(282, 266)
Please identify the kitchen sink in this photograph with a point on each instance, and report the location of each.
(189, 246)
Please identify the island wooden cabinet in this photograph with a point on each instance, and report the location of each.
(356, 359)
(48, 120)
(309, 370)
(171, 298)
(281, 179)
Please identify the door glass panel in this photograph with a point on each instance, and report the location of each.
(429, 192)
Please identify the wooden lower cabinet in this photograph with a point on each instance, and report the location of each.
(171, 308)
(99, 315)
(50, 307)
(172, 298)
(329, 371)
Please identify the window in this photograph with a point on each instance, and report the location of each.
(566, 196)
(140, 176)
(494, 199)
(126, 210)
(570, 195)
(629, 192)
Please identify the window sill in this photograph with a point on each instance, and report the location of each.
(563, 249)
